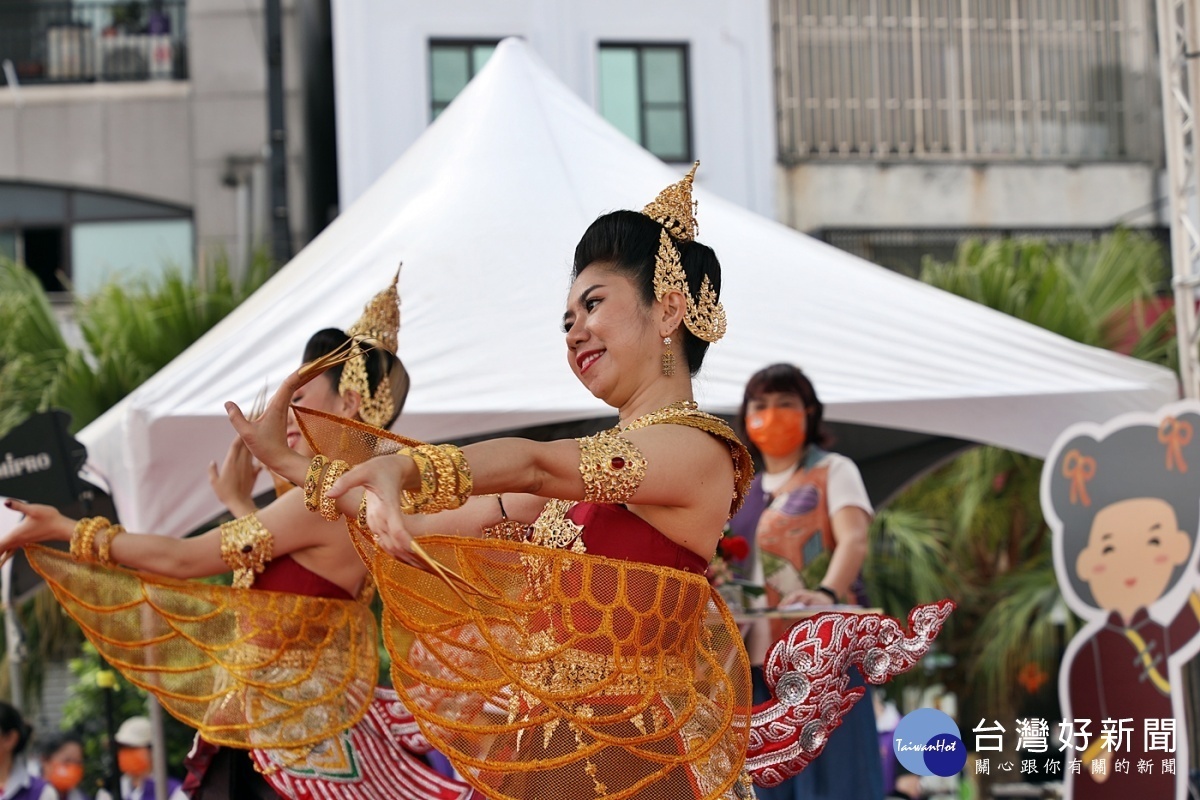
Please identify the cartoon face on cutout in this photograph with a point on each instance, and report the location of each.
(1125, 509)
(1132, 552)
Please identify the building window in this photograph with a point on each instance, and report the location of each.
(452, 64)
(644, 93)
(75, 239)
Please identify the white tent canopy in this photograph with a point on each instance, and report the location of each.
(485, 210)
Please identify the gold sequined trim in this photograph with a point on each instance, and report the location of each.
(553, 529)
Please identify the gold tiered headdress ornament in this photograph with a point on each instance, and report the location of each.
(675, 210)
(379, 326)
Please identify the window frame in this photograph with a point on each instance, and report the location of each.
(467, 43)
(69, 218)
(639, 47)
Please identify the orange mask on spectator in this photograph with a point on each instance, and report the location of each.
(63, 775)
(134, 761)
(777, 431)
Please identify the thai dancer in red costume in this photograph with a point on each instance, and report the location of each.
(285, 662)
(552, 629)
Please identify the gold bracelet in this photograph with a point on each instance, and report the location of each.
(245, 548)
(464, 479)
(312, 481)
(445, 496)
(104, 543)
(361, 519)
(413, 502)
(328, 505)
(84, 535)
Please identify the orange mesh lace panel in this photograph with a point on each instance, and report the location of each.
(245, 668)
(350, 440)
(567, 675)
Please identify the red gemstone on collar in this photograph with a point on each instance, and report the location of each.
(618, 463)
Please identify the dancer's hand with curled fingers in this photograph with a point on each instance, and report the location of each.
(383, 478)
(266, 435)
(233, 482)
(41, 524)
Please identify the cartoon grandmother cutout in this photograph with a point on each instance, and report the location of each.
(1123, 501)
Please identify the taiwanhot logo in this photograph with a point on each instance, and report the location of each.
(927, 742)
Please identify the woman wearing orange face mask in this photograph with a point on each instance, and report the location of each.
(806, 508)
(62, 764)
(134, 738)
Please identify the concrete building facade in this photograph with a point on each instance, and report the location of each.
(686, 79)
(109, 165)
(904, 123)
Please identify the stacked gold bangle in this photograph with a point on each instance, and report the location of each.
(83, 539)
(322, 474)
(328, 506)
(413, 502)
(312, 481)
(446, 481)
(104, 544)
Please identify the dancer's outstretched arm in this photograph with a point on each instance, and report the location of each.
(291, 527)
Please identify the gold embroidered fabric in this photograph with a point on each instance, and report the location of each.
(549, 673)
(244, 668)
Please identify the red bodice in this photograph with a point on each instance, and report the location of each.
(616, 532)
(285, 574)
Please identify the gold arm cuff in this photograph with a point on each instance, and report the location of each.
(612, 468)
(246, 548)
(328, 506)
(312, 481)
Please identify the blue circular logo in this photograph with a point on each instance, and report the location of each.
(927, 742)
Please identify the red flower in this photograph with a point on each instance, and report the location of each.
(734, 547)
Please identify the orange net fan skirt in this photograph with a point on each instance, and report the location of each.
(246, 668)
(543, 673)
(550, 674)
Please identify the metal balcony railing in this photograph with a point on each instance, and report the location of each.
(76, 42)
(975, 80)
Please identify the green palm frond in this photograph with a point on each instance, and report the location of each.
(973, 529)
(130, 331)
(1021, 627)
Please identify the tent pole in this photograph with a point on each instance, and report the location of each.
(1179, 59)
(12, 636)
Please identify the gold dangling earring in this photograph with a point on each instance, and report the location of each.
(668, 358)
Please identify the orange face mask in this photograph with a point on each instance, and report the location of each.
(64, 775)
(777, 432)
(134, 761)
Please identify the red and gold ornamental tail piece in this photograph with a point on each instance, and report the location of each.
(806, 671)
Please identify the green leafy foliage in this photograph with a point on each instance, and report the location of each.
(973, 530)
(130, 331)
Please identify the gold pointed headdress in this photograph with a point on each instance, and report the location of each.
(379, 326)
(675, 210)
